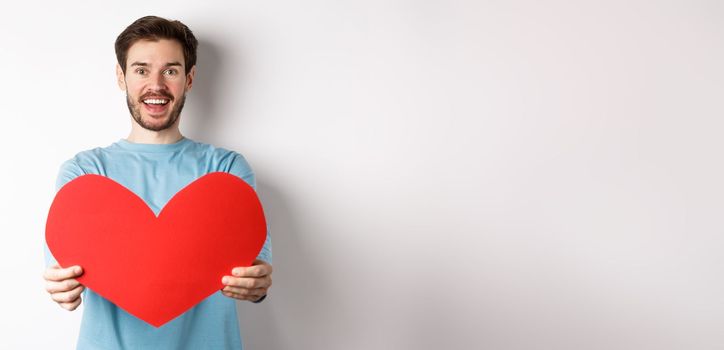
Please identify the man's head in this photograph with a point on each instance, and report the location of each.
(156, 67)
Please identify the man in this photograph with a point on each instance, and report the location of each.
(156, 68)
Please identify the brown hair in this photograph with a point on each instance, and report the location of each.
(154, 28)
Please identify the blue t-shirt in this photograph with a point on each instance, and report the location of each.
(155, 173)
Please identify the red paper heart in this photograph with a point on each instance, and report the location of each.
(156, 268)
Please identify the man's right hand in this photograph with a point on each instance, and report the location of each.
(64, 289)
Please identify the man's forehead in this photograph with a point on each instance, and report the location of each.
(161, 52)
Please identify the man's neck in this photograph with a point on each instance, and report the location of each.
(167, 136)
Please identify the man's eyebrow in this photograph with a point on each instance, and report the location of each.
(144, 64)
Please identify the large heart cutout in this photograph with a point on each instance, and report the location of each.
(156, 268)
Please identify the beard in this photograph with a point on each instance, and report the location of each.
(135, 109)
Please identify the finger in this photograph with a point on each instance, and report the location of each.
(246, 282)
(230, 295)
(56, 273)
(242, 296)
(252, 271)
(72, 305)
(238, 282)
(69, 296)
(62, 286)
(245, 291)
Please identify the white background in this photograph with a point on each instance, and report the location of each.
(438, 174)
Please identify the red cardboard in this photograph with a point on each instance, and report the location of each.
(156, 268)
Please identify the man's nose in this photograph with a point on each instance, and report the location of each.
(158, 81)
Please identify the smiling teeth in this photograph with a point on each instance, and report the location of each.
(154, 101)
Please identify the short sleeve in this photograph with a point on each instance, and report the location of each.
(241, 168)
(69, 170)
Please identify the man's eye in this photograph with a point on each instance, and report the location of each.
(141, 71)
(170, 72)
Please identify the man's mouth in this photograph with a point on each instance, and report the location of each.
(156, 105)
(155, 101)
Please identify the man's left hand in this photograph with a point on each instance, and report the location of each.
(248, 283)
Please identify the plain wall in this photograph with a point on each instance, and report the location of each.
(437, 174)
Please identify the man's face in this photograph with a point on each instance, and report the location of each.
(155, 83)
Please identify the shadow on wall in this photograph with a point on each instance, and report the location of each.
(299, 293)
(201, 114)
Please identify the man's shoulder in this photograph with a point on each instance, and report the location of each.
(224, 159)
(88, 155)
(210, 148)
(83, 162)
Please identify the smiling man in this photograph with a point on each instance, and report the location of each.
(156, 69)
(161, 99)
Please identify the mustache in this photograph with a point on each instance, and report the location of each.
(156, 94)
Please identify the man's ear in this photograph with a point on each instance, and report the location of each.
(120, 77)
(190, 78)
